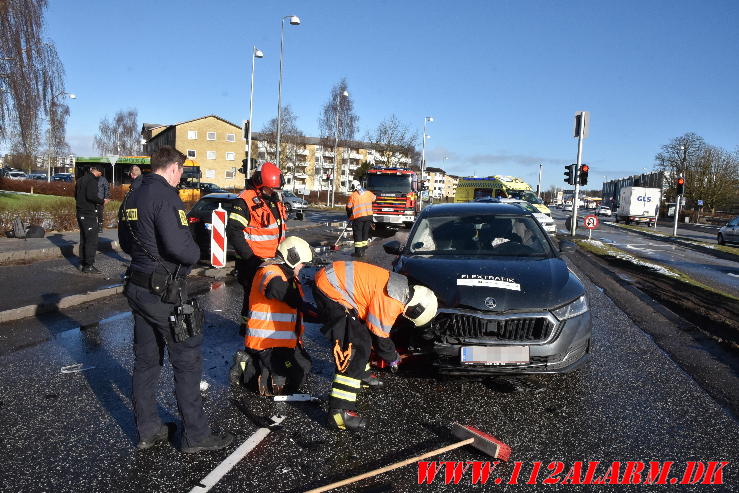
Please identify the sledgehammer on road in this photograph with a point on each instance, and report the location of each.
(469, 435)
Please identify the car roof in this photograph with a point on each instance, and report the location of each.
(220, 195)
(467, 208)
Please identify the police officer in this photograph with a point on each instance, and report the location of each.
(256, 225)
(358, 304)
(153, 230)
(359, 212)
(87, 204)
(273, 353)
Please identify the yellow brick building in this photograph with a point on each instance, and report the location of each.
(217, 145)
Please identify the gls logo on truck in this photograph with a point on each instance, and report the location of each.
(644, 198)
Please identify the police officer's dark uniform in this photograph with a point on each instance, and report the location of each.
(154, 213)
(88, 203)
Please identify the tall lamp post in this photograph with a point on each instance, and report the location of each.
(255, 53)
(426, 119)
(70, 96)
(295, 21)
(336, 145)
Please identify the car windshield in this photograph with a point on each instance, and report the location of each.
(526, 195)
(209, 205)
(488, 234)
(389, 183)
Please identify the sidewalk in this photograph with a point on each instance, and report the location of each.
(41, 275)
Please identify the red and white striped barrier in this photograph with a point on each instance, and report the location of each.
(218, 238)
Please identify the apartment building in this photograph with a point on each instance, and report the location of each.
(440, 184)
(215, 144)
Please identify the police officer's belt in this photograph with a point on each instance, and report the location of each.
(142, 279)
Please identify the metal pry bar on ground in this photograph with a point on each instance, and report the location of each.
(295, 398)
(482, 441)
(216, 474)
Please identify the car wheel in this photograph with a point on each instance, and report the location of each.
(721, 240)
(288, 207)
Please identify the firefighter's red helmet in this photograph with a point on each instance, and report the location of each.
(269, 175)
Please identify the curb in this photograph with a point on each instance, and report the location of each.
(679, 241)
(53, 252)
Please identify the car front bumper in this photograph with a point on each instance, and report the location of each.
(567, 351)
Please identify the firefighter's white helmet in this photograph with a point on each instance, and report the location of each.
(294, 251)
(422, 306)
(356, 185)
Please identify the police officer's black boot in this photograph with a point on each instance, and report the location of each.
(345, 420)
(236, 373)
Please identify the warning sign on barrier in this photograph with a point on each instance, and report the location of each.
(218, 238)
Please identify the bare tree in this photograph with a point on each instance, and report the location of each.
(33, 78)
(120, 135)
(338, 108)
(393, 140)
(290, 136)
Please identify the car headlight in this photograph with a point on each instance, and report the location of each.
(572, 309)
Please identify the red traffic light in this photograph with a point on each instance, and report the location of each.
(585, 168)
(681, 181)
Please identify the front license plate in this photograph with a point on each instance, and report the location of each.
(387, 209)
(207, 226)
(495, 355)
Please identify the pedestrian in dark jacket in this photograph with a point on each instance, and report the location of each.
(88, 201)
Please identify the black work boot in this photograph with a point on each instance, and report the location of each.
(343, 419)
(372, 381)
(236, 373)
(211, 442)
(159, 436)
(357, 253)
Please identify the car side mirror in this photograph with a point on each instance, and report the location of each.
(393, 247)
(566, 246)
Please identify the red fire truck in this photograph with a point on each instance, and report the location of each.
(396, 190)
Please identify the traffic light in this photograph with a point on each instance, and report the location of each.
(570, 174)
(681, 186)
(584, 174)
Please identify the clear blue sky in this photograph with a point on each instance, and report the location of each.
(502, 79)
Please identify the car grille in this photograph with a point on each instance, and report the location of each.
(504, 329)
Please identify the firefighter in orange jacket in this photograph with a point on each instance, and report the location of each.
(274, 355)
(359, 211)
(256, 225)
(358, 304)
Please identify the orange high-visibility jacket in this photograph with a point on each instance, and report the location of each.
(264, 231)
(363, 287)
(360, 204)
(272, 323)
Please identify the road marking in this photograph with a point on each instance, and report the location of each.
(732, 274)
(229, 462)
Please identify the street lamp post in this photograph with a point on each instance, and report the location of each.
(295, 21)
(423, 149)
(70, 96)
(255, 53)
(336, 146)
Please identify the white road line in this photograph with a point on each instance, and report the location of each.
(229, 462)
(732, 274)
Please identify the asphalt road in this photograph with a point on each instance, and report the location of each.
(75, 431)
(719, 273)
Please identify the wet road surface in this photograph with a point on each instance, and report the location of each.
(716, 272)
(75, 431)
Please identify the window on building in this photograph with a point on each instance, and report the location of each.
(230, 173)
(192, 134)
(211, 136)
(230, 156)
(192, 154)
(230, 137)
(211, 154)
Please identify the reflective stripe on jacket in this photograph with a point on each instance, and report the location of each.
(362, 287)
(272, 323)
(264, 231)
(360, 204)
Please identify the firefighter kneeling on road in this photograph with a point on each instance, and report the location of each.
(359, 211)
(274, 355)
(358, 304)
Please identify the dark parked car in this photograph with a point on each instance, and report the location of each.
(67, 177)
(199, 219)
(507, 301)
(206, 188)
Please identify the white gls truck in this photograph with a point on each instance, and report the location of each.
(638, 205)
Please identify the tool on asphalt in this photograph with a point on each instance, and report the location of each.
(222, 469)
(295, 398)
(469, 435)
(335, 246)
(75, 368)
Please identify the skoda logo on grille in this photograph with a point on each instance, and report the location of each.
(490, 302)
